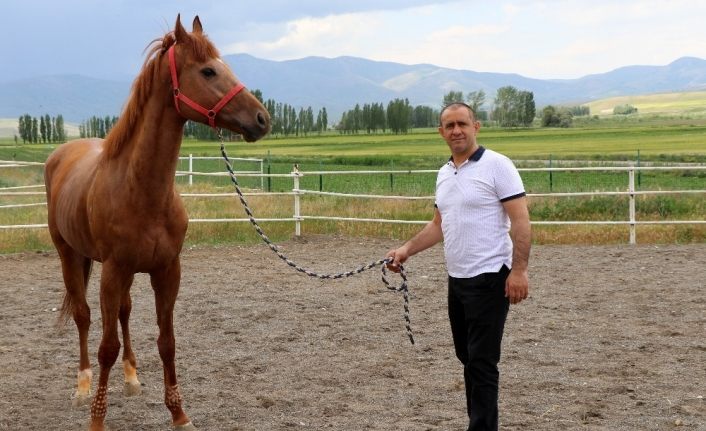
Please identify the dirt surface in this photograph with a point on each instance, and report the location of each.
(612, 338)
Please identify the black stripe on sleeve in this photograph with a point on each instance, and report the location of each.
(509, 198)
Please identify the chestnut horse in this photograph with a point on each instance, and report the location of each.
(114, 201)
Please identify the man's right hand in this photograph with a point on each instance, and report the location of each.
(397, 257)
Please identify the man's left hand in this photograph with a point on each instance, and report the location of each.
(517, 286)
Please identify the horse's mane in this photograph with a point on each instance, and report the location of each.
(201, 48)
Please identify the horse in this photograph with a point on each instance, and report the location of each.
(114, 201)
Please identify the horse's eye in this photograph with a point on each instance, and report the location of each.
(208, 72)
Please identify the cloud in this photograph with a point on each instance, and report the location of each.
(414, 35)
(332, 35)
(536, 38)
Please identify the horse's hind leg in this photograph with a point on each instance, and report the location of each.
(166, 287)
(132, 384)
(76, 270)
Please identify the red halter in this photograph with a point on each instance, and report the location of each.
(178, 95)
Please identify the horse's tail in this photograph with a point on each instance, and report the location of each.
(66, 311)
(74, 299)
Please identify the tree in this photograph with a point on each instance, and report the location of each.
(624, 109)
(321, 121)
(258, 94)
(47, 122)
(35, 131)
(505, 112)
(399, 114)
(476, 99)
(578, 111)
(424, 116)
(556, 117)
(42, 130)
(22, 128)
(514, 108)
(451, 97)
(60, 130)
(527, 109)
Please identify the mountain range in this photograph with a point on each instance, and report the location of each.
(339, 83)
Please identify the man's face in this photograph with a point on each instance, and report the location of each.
(459, 130)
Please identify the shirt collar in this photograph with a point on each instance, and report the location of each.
(477, 154)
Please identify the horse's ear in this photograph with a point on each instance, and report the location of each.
(179, 32)
(197, 28)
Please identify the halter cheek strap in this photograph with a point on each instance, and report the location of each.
(179, 96)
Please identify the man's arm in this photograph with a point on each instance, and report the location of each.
(517, 284)
(431, 234)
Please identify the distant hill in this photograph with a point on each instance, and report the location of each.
(76, 97)
(339, 83)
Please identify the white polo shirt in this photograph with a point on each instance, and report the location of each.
(475, 225)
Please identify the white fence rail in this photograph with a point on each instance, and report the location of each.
(191, 158)
(298, 218)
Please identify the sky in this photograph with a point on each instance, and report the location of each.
(557, 39)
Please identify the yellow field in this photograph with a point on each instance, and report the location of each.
(685, 103)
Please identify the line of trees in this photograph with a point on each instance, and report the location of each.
(511, 107)
(474, 99)
(398, 117)
(96, 127)
(44, 129)
(624, 109)
(515, 108)
(287, 120)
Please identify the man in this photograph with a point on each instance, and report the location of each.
(481, 215)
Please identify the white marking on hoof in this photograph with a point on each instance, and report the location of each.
(82, 396)
(130, 373)
(80, 400)
(131, 389)
(186, 427)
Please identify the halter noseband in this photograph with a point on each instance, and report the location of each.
(178, 95)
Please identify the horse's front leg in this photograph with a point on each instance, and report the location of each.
(132, 384)
(115, 284)
(165, 283)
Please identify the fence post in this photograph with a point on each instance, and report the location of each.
(631, 189)
(269, 171)
(262, 171)
(639, 173)
(551, 178)
(297, 203)
(191, 169)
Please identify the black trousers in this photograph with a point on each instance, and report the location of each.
(477, 311)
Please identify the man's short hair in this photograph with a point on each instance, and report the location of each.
(471, 112)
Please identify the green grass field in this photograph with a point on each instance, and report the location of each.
(657, 141)
(654, 142)
(673, 142)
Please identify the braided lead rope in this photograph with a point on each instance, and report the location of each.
(403, 286)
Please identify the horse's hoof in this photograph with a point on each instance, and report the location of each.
(186, 427)
(99, 427)
(81, 400)
(132, 389)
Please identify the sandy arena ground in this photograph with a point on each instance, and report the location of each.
(612, 338)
